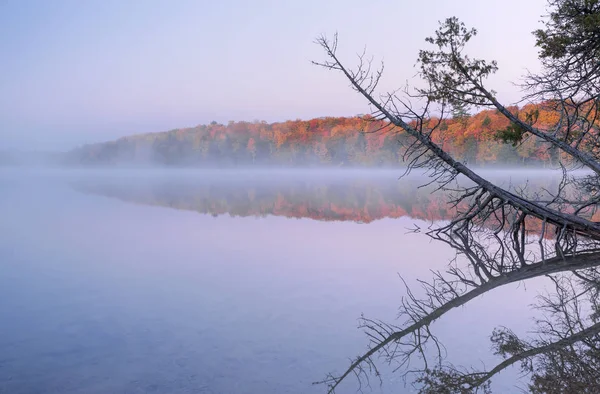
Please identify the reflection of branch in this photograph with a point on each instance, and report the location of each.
(566, 350)
(453, 380)
(577, 337)
(547, 267)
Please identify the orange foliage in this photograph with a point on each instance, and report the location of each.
(342, 141)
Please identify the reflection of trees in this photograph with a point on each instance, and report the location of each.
(362, 198)
(496, 244)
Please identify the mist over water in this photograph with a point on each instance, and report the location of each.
(189, 281)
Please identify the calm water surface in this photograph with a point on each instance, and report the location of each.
(216, 282)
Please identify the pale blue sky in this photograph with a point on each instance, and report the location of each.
(74, 71)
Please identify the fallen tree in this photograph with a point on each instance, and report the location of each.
(502, 236)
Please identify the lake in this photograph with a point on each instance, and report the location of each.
(219, 281)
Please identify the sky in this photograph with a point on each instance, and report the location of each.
(74, 72)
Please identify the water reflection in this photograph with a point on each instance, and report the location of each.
(335, 196)
(116, 297)
(500, 250)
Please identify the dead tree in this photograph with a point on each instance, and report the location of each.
(503, 236)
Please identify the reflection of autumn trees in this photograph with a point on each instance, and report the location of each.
(324, 141)
(562, 356)
(362, 199)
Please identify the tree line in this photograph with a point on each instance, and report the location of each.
(482, 139)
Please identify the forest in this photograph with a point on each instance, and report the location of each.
(483, 139)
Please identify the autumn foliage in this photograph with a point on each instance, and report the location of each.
(330, 141)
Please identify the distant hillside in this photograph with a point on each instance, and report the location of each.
(324, 141)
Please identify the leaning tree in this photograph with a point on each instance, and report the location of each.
(500, 235)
